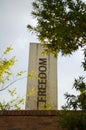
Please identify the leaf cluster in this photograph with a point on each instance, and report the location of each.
(6, 75)
(84, 62)
(75, 119)
(76, 102)
(15, 102)
(72, 120)
(5, 65)
(61, 24)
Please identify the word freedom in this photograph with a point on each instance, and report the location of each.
(42, 82)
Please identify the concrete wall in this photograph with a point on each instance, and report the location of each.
(43, 81)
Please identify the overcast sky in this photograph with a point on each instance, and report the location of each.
(15, 15)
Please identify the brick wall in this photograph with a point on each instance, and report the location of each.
(28, 120)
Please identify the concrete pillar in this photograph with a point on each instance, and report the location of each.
(42, 81)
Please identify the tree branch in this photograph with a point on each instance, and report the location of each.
(12, 83)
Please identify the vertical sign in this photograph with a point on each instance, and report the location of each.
(42, 85)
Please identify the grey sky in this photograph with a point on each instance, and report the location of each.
(14, 17)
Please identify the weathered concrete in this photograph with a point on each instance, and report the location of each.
(43, 83)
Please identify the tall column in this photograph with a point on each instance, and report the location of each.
(42, 86)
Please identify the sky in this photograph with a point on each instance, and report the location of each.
(15, 15)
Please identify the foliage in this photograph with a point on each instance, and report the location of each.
(31, 92)
(61, 24)
(6, 80)
(47, 106)
(76, 102)
(6, 74)
(72, 120)
(14, 103)
(5, 65)
(76, 119)
(84, 62)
